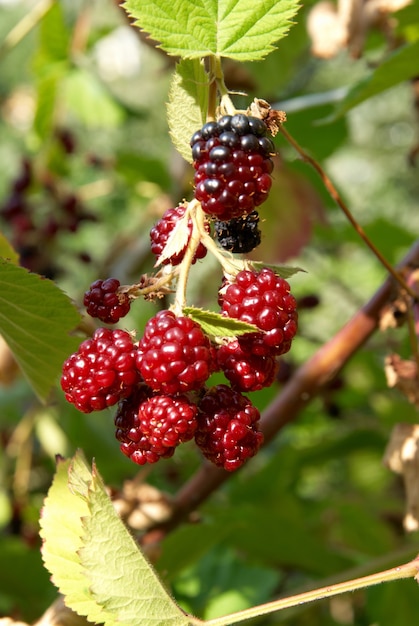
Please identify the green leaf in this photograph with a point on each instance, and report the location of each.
(215, 325)
(91, 101)
(93, 559)
(7, 252)
(35, 319)
(62, 530)
(48, 87)
(400, 66)
(284, 271)
(122, 580)
(238, 29)
(54, 35)
(187, 106)
(22, 575)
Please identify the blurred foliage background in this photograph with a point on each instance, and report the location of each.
(86, 168)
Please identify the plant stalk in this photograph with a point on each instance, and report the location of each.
(338, 199)
(408, 570)
(26, 24)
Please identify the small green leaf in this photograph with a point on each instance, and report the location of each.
(284, 271)
(238, 29)
(215, 325)
(187, 106)
(400, 66)
(121, 578)
(35, 320)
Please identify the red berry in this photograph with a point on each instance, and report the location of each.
(174, 355)
(262, 298)
(233, 165)
(103, 301)
(101, 372)
(246, 372)
(161, 232)
(227, 431)
(150, 428)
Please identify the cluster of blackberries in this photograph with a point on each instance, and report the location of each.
(161, 383)
(36, 212)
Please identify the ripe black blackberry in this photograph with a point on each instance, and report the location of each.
(239, 235)
(233, 165)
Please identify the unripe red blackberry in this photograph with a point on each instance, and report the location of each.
(102, 300)
(233, 165)
(174, 355)
(161, 232)
(150, 428)
(101, 372)
(227, 431)
(239, 235)
(262, 298)
(246, 372)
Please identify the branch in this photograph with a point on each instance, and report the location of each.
(307, 382)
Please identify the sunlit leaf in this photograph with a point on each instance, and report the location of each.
(61, 531)
(121, 578)
(238, 29)
(187, 106)
(93, 559)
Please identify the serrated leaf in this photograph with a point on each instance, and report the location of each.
(35, 320)
(238, 29)
(7, 251)
(61, 532)
(121, 578)
(177, 240)
(187, 106)
(215, 325)
(400, 66)
(284, 271)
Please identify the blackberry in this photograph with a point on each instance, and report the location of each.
(246, 372)
(174, 355)
(102, 300)
(262, 298)
(227, 432)
(101, 372)
(233, 165)
(151, 427)
(161, 232)
(241, 234)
